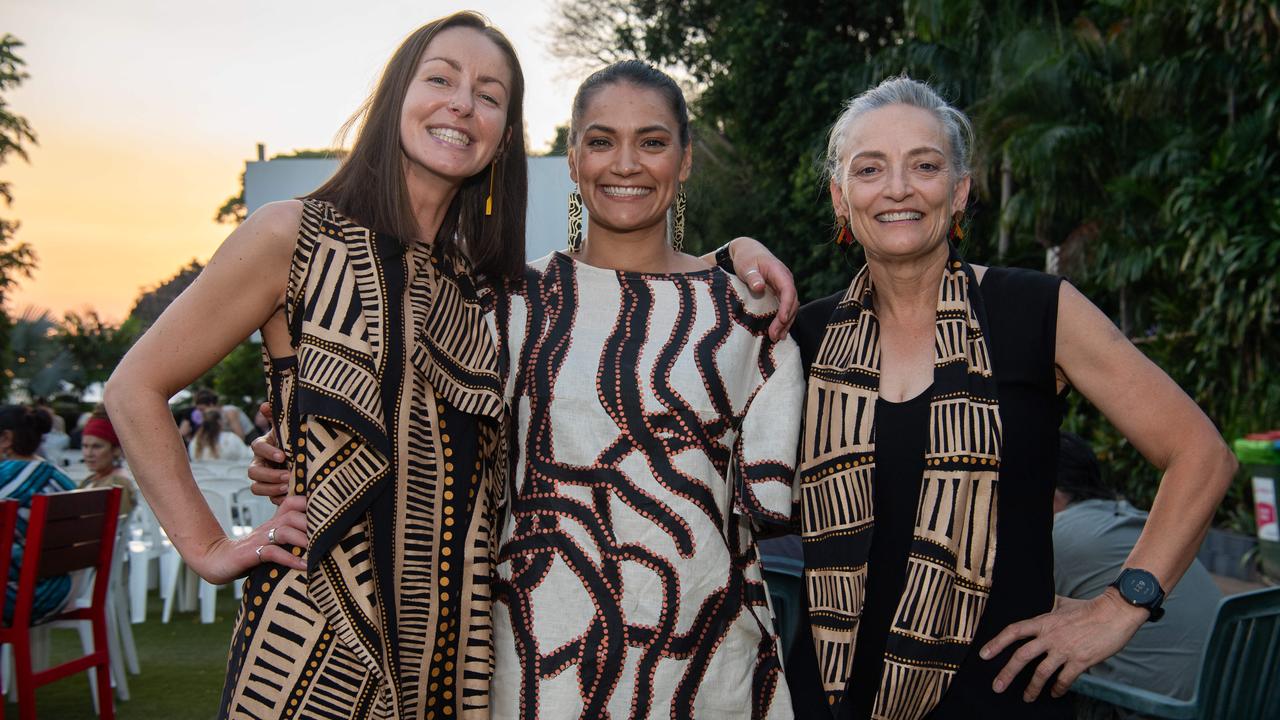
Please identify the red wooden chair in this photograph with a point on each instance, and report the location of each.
(65, 532)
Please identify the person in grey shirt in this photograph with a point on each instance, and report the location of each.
(1093, 533)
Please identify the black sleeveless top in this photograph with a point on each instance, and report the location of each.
(1022, 311)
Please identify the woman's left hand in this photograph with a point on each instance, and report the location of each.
(1073, 637)
(757, 267)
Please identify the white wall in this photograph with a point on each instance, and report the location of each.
(547, 219)
(271, 180)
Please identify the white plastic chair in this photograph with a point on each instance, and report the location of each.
(251, 510)
(123, 651)
(124, 654)
(219, 500)
(146, 542)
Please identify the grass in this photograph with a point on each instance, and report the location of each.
(183, 665)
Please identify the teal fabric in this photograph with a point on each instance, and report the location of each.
(22, 480)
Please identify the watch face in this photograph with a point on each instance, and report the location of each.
(1138, 587)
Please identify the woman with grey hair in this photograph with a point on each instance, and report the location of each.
(935, 391)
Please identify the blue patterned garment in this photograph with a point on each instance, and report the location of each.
(22, 480)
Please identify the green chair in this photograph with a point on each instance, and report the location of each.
(1239, 675)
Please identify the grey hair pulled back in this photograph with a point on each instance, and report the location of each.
(902, 90)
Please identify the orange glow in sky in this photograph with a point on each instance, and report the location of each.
(146, 111)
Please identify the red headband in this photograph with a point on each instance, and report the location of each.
(101, 428)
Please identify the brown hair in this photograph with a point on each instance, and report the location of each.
(207, 435)
(370, 185)
(28, 425)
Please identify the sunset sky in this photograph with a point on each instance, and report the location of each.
(146, 111)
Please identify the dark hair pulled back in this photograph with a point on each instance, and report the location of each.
(1079, 474)
(641, 75)
(28, 426)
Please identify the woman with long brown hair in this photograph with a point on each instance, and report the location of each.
(212, 442)
(363, 292)
(384, 380)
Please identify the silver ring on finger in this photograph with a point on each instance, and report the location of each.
(271, 536)
(753, 270)
(258, 551)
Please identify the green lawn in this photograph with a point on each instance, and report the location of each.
(182, 669)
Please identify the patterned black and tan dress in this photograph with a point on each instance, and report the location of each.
(391, 412)
(655, 424)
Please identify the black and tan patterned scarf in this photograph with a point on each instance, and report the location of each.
(953, 545)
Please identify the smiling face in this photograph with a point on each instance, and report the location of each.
(896, 186)
(99, 455)
(455, 108)
(627, 159)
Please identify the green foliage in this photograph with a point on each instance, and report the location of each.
(232, 211)
(17, 260)
(14, 129)
(94, 347)
(560, 144)
(40, 363)
(238, 378)
(49, 358)
(152, 302)
(1138, 141)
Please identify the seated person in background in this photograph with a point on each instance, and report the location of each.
(236, 420)
(23, 475)
(75, 436)
(261, 426)
(189, 420)
(211, 442)
(1093, 533)
(56, 441)
(102, 457)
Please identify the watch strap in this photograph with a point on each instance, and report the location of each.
(1154, 606)
(724, 260)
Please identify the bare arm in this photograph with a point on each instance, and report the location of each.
(1162, 422)
(238, 292)
(1171, 431)
(758, 268)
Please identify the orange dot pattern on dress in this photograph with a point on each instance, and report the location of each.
(656, 425)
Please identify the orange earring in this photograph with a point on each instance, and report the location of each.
(844, 236)
(957, 232)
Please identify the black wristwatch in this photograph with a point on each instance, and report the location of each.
(1140, 588)
(724, 260)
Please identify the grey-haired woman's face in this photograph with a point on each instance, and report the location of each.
(895, 184)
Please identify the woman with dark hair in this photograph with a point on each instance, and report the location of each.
(23, 475)
(656, 427)
(388, 402)
(212, 442)
(383, 377)
(935, 391)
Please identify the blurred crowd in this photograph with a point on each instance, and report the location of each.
(38, 455)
